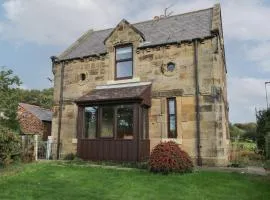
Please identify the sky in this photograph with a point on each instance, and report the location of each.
(33, 30)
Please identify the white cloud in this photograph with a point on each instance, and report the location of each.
(246, 94)
(62, 21)
(260, 55)
(24, 87)
(56, 22)
(246, 20)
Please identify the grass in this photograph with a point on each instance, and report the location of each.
(68, 181)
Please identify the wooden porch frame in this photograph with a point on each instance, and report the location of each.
(137, 147)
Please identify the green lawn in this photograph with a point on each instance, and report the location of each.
(63, 181)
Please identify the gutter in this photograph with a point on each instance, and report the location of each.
(197, 93)
(188, 41)
(60, 106)
(173, 42)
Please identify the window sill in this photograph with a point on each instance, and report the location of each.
(132, 80)
(176, 140)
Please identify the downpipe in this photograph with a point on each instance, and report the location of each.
(60, 111)
(197, 98)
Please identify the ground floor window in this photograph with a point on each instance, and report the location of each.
(109, 122)
(124, 114)
(90, 122)
(172, 118)
(106, 121)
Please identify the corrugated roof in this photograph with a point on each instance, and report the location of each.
(175, 28)
(40, 113)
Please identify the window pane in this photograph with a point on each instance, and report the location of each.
(171, 106)
(124, 69)
(107, 122)
(123, 53)
(172, 124)
(125, 122)
(90, 114)
(172, 128)
(170, 67)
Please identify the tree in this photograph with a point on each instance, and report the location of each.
(235, 132)
(9, 93)
(263, 127)
(243, 131)
(42, 98)
(10, 147)
(249, 130)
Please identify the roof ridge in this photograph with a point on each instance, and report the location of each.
(163, 18)
(190, 12)
(45, 109)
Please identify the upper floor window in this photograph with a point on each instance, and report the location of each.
(123, 62)
(170, 66)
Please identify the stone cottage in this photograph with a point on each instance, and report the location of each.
(34, 120)
(118, 92)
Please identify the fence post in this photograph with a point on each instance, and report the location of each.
(49, 147)
(36, 146)
(23, 142)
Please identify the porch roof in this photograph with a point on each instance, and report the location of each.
(141, 93)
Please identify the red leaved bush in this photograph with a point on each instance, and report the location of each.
(168, 157)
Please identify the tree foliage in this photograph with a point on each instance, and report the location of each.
(235, 132)
(9, 93)
(263, 127)
(42, 98)
(10, 146)
(243, 131)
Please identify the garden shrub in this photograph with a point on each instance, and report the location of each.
(10, 146)
(251, 155)
(168, 157)
(28, 154)
(28, 149)
(69, 156)
(245, 153)
(266, 165)
(246, 145)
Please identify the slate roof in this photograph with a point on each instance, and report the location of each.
(40, 113)
(118, 93)
(175, 28)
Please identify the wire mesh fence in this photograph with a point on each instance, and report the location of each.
(33, 148)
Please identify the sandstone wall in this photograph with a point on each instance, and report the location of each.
(150, 65)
